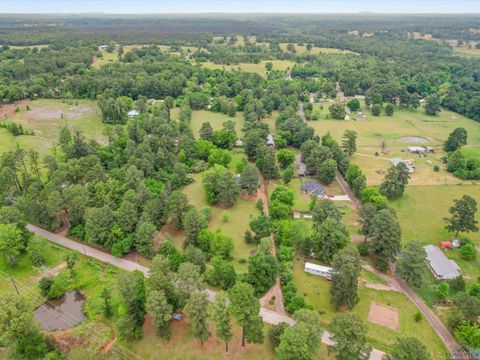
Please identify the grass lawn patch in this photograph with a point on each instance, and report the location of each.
(239, 219)
(422, 208)
(259, 68)
(302, 50)
(215, 119)
(46, 117)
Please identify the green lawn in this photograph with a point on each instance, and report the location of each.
(422, 208)
(46, 117)
(215, 119)
(302, 49)
(235, 227)
(259, 68)
(317, 293)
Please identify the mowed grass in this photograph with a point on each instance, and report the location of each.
(239, 217)
(46, 117)
(422, 208)
(215, 119)
(317, 293)
(259, 68)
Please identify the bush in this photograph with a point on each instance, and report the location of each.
(363, 249)
(468, 252)
(225, 216)
(276, 332)
(78, 232)
(36, 251)
(418, 316)
(45, 284)
(436, 168)
(443, 290)
(376, 110)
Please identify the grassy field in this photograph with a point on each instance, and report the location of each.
(45, 118)
(317, 293)
(422, 208)
(215, 119)
(235, 227)
(259, 68)
(371, 133)
(302, 49)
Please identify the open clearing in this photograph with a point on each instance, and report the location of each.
(259, 68)
(422, 208)
(302, 50)
(45, 118)
(384, 316)
(215, 119)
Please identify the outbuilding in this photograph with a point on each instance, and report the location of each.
(270, 141)
(442, 267)
(133, 113)
(319, 270)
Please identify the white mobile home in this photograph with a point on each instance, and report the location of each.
(323, 271)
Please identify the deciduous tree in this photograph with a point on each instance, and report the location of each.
(349, 332)
(346, 269)
(462, 216)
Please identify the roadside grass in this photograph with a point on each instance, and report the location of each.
(317, 293)
(421, 211)
(259, 68)
(215, 119)
(238, 222)
(45, 119)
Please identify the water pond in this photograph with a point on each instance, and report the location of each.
(62, 313)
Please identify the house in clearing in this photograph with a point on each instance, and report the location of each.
(408, 164)
(319, 270)
(442, 267)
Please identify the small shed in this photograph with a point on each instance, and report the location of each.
(133, 113)
(456, 243)
(319, 270)
(297, 215)
(313, 188)
(408, 164)
(442, 267)
(239, 143)
(177, 316)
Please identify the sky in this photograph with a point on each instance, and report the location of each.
(239, 6)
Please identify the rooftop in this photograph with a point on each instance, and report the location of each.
(442, 267)
(312, 187)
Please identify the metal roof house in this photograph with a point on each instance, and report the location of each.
(323, 271)
(311, 187)
(441, 266)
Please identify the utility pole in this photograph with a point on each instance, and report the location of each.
(14, 284)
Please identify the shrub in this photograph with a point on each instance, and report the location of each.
(443, 290)
(418, 316)
(276, 332)
(78, 232)
(376, 110)
(45, 284)
(225, 216)
(468, 252)
(436, 168)
(363, 249)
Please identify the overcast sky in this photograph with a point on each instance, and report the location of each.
(248, 6)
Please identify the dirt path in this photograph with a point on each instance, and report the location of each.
(372, 156)
(275, 292)
(108, 346)
(301, 111)
(343, 184)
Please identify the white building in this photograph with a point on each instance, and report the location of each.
(323, 271)
(270, 141)
(442, 267)
(133, 113)
(408, 164)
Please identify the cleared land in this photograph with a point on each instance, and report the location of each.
(215, 119)
(259, 68)
(422, 208)
(302, 49)
(45, 118)
(378, 129)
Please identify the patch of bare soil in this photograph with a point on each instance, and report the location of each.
(64, 341)
(9, 109)
(384, 315)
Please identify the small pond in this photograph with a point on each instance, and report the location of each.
(414, 139)
(63, 313)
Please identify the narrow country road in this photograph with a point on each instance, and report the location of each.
(301, 111)
(268, 316)
(343, 184)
